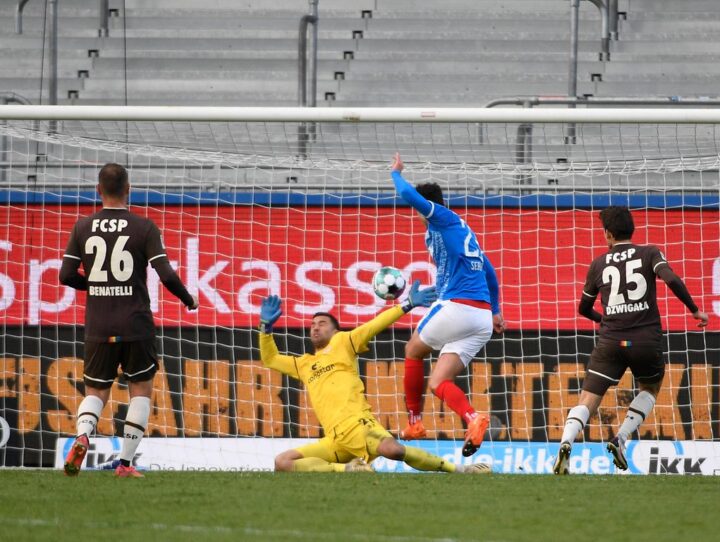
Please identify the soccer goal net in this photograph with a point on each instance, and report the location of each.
(300, 203)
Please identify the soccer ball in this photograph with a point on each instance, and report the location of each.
(388, 283)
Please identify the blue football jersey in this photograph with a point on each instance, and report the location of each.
(463, 270)
(455, 250)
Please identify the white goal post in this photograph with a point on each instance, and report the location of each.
(299, 202)
(657, 115)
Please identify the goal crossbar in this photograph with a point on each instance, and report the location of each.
(359, 114)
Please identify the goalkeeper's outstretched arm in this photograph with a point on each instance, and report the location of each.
(362, 335)
(272, 359)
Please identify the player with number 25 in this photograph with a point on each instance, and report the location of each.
(630, 332)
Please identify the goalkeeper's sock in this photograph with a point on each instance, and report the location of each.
(88, 415)
(315, 464)
(135, 423)
(455, 398)
(638, 410)
(421, 460)
(414, 383)
(576, 420)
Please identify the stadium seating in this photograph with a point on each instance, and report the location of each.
(371, 52)
(384, 52)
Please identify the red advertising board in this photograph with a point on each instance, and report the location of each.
(322, 258)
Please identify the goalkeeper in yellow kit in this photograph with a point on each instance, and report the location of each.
(353, 437)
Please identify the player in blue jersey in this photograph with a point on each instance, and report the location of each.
(460, 322)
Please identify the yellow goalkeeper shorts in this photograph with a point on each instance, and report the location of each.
(356, 436)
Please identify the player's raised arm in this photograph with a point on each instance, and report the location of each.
(407, 191)
(270, 312)
(362, 335)
(155, 252)
(677, 286)
(69, 275)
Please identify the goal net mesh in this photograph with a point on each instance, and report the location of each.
(308, 211)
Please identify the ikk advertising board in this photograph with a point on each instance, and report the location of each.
(243, 455)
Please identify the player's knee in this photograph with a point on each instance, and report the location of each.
(410, 350)
(434, 383)
(416, 349)
(391, 449)
(652, 388)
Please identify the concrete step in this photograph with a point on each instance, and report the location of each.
(472, 15)
(666, 48)
(449, 45)
(408, 6)
(65, 72)
(377, 69)
(423, 82)
(640, 58)
(66, 8)
(228, 76)
(671, 36)
(661, 70)
(470, 56)
(172, 44)
(519, 34)
(264, 65)
(479, 98)
(113, 87)
(541, 85)
(235, 21)
(657, 87)
(686, 6)
(68, 26)
(245, 99)
(667, 16)
(645, 26)
(198, 34)
(200, 55)
(34, 62)
(301, 6)
(477, 6)
(199, 100)
(22, 84)
(30, 43)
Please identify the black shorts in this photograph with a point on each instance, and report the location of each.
(138, 360)
(610, 360)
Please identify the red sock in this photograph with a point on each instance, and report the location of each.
(455, 398)
(414, 383)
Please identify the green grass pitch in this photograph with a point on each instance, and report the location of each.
(46, 505)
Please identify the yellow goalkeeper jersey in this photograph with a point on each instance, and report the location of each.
(331, 374)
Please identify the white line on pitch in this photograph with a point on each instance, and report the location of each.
(249, 531)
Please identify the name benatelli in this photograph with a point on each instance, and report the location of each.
(110, 290)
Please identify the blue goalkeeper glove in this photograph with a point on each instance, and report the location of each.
(419, 298)
(270, 311)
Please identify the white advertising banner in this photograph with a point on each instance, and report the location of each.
(256, 454)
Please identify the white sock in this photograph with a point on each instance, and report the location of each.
(88, 414)
(638, 410)
(135, 424)
(576, 420)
